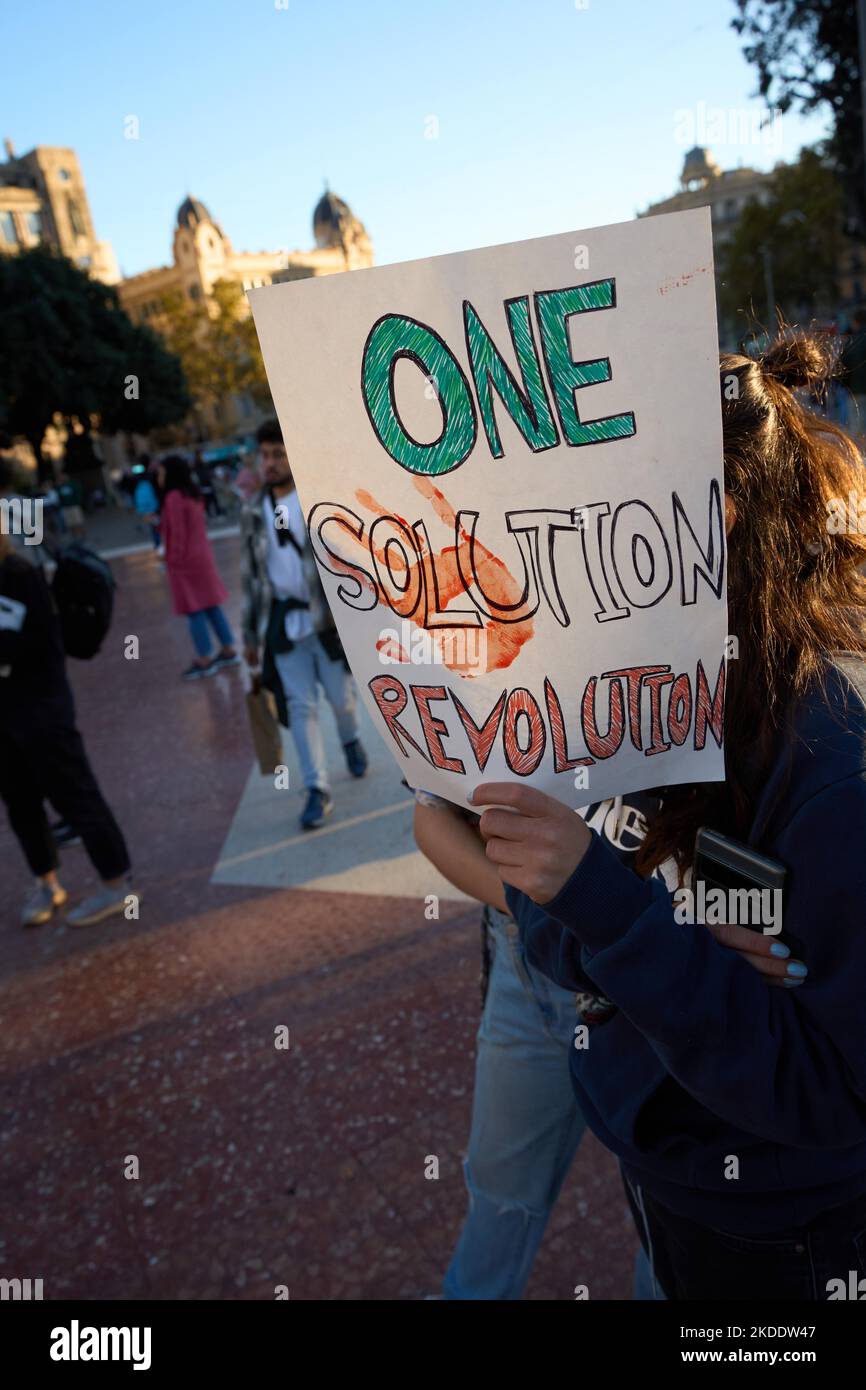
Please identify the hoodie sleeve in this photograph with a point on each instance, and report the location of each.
(787, 1065)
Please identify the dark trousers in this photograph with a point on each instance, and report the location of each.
(698, 1262)
(49, 763)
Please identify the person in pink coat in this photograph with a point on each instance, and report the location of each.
(196, 588)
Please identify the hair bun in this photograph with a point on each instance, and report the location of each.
(798, 359)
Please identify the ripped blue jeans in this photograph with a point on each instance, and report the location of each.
(526, 1125)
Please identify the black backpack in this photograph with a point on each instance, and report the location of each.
(83, 589)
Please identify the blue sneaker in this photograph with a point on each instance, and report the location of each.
(356, 759)
(319, 806)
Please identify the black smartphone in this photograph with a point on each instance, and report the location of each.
(722, 863)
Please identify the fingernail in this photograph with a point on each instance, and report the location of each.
(777, 949)
(792, 984)
(798, 969)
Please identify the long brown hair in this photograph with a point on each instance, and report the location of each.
(795, 593)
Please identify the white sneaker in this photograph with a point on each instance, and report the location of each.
(40, 903)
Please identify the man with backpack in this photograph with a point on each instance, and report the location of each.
(42, 756)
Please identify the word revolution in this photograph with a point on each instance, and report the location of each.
(658, 709)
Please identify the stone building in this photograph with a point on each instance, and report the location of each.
(203, 254)
(724, 191)
(43, 199)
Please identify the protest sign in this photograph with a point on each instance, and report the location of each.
(510, 464)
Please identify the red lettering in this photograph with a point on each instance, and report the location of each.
(680, 709)
(434, 728)
(481, 738)
(709, 713)
(603, 745)
(561, 761)
(522, 705)
(634, 675)
(657, 744)
(391, 700)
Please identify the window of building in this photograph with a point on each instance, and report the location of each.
(7, 229)
(76, 221)
(194, 292)
(84, 262)
(64, 175)
(33, 223)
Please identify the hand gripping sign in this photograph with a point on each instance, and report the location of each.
(511, 473)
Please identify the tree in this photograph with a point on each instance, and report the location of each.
(807, 58)
(217, 344)
(799, 230)
(68, 350)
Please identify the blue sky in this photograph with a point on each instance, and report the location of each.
(551, 116)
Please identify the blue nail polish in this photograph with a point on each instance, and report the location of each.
(791, 984)
(777, 949)
(798, 970)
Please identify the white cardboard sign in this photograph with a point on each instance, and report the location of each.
(510, 465)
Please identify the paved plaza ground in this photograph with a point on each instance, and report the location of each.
(153, 1041)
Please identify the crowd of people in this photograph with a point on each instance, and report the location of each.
(725, 1069)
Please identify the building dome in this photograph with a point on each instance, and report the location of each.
(336, 226)
(698, 168)
(191, 212)
(331, 220)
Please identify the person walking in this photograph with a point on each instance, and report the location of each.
(288, 626)
(196, 588)
(145, 499)
(42, 755)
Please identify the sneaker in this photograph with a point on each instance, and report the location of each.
(356, 758)
(227, 659)
(106, 902)
(64, 836)
(319, 806)
(197, 673)
(40, 903)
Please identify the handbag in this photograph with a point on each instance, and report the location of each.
(267, 740)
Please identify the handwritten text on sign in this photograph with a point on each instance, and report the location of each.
(513, 601)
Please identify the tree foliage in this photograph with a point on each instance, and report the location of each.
(807, 59)
(68, 350)
(217, 345)
(799, 228)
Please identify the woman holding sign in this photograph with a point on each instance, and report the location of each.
(738, 1112)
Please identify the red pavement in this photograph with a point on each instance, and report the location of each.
(155, 1039)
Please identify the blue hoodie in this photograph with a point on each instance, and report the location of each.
(703, 1061)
